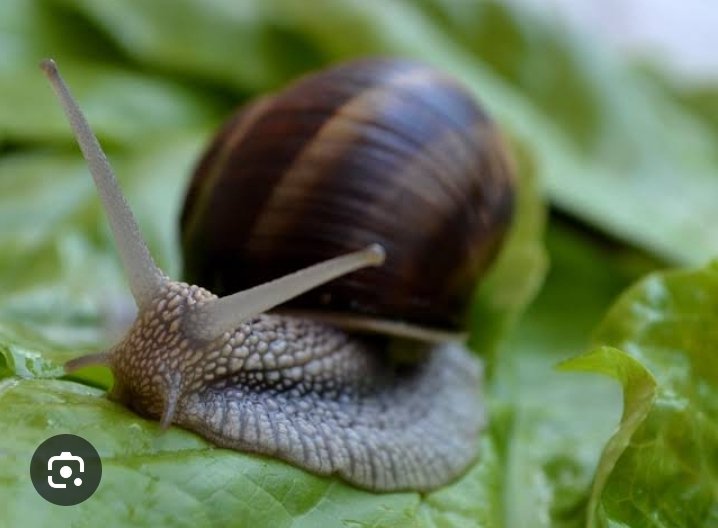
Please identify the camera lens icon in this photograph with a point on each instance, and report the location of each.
(65, 470)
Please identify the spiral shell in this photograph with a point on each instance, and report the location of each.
(387, 151)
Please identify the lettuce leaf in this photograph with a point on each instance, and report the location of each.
(554, 444)
(660, 342)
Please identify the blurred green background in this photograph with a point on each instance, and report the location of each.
(619, 177)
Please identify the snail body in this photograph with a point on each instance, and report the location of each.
(358, 381)
(307, 393)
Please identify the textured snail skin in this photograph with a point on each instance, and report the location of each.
(314, 396)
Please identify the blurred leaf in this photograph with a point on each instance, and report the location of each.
(520, 269)
(123, 107)
(231, 43)
(661, 467)
(554, 442)
(51, 224)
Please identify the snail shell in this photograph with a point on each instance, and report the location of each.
(371, 151)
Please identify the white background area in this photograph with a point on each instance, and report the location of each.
(678, 35)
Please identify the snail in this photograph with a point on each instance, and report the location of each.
(386, 185)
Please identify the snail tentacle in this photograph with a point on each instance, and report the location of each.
(144, 276)
(212, 319)
(98, 358)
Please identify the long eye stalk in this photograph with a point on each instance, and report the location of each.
(144, 276)
(211, 320)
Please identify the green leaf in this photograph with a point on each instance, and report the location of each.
(661, 467)
(518, 274)
(638, 398)
(228, 43)
(553, 445)
(124, 107)
(174, 477)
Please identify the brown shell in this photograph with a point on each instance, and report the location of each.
(387, 151)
